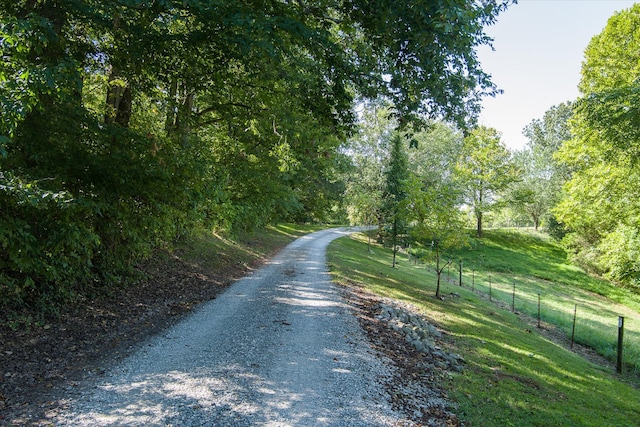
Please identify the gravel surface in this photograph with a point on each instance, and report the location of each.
(280, 347)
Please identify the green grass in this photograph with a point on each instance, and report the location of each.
(532, 254)
(215, 251)
(514, 375)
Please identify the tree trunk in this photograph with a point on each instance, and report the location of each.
(179, 111)
(380, 235)
(170, 121)
(185, 122)
(478, 210)
(119, 98)
(123, 113)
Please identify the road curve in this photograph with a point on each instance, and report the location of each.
(278, 348)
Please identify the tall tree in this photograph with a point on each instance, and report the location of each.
(600, 202)
(368, 149)
(483, 170)
(394, 196)
(530, 195)
(540, 186)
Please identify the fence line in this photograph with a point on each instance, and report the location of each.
(501, 290)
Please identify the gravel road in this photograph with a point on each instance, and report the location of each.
(278, 348)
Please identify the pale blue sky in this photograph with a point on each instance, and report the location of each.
(539, 48)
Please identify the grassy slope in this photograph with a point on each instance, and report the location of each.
(514, 375)
(214, 251)
(537, 265)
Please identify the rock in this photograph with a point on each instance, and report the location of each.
(434, 332)
(431, 346)
(420, 334)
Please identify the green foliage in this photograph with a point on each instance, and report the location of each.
(368, 151)
(394, 196)
(425, 47)
(600, 202)
(434, 197)
(620, 252)
(542, 175)
(412, 196)
(396, 175)
(554, 228)
(46, 247)
(607, 111)
(547, 135)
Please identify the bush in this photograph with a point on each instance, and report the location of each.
(46, 246)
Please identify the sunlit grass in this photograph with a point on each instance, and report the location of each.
(535, 264)
(514, 375)
(210, 249)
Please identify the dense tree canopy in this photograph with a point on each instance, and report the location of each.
(125, 123)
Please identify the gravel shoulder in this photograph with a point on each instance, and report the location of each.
(280, 347)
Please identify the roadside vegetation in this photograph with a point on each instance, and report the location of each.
(220, 255)
(515, 374)
(39, 354)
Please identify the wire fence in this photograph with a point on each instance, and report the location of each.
(591, 320)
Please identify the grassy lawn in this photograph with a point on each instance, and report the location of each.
(514, 375)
